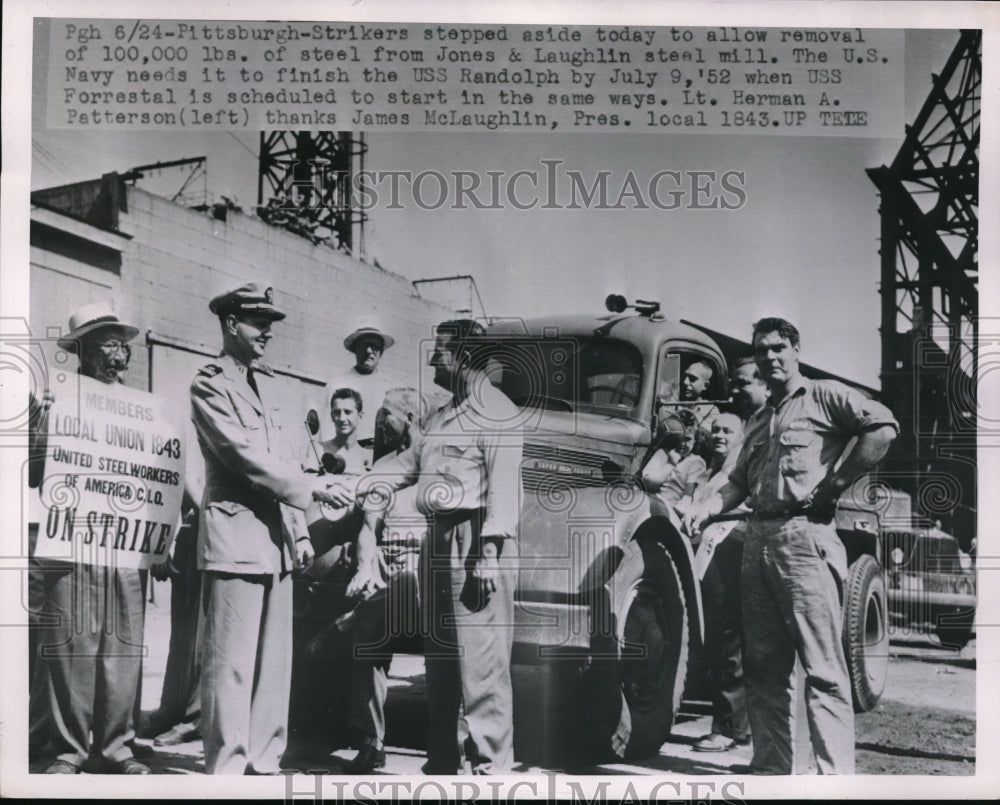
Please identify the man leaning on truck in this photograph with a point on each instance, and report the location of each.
(794, 564)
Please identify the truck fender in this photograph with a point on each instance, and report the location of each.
(680, 551)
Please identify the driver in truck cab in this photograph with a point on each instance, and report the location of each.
(695, 381)
(792, 468)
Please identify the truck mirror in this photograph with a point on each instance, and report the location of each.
(615, 303)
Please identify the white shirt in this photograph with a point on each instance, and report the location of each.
(372, 388)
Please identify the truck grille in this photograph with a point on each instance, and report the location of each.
(549, 466)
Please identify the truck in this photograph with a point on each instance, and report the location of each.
(608, 613)
(931, 582)
(609, 609)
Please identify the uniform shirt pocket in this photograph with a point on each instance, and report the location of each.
(230, 507)
(462, 468)
(236, 535)
(799, 451)
(250, 419)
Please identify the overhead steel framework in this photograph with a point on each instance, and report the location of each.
(930, 299)
(306, 185)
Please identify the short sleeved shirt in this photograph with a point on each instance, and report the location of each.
(790, 448)
(467, 457)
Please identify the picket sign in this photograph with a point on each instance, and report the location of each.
(114, 475)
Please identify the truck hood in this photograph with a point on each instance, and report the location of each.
(562, 433)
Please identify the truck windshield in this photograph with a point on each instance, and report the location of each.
(566, 373)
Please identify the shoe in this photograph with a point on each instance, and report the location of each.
(714, 742)
(178, 734)
(439, 771)
(368, 759)
(62, 767)
(140, 751)
(150, 727)
(127, 766)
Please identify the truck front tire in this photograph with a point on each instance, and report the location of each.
(632, 685)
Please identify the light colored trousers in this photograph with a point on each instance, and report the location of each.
(246, 671)
(92, 654)
(793, 573)
(467, 648)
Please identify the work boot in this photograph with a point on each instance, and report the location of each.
(370, 756)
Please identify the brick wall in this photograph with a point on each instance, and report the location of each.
(178, 258)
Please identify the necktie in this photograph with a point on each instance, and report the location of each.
(252, 382)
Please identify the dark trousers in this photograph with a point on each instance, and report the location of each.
(92, 659)
(39, 724)
(720, 596)
(467, 649)
(378, 623)
(180, 700)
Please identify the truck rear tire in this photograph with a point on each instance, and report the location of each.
(866, 637)
(632, 685)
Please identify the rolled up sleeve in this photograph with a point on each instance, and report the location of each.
(853, 412)
(502, 453)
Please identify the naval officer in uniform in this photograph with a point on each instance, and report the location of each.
(248, 542)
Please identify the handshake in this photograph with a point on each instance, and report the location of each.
(338, 493)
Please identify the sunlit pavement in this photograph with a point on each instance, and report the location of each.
(406, 708)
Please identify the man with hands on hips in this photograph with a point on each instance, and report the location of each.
(792, 468)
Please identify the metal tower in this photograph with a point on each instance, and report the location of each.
(305, 184)
(930, 299)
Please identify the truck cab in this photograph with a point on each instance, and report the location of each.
(608, 605)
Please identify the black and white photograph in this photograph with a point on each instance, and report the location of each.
(486, 401)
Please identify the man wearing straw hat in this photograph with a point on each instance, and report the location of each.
(368, 343)
(96, 611)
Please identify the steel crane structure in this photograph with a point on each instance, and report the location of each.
(306, 185)
(930, 300)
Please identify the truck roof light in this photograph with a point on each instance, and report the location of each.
(616, 303)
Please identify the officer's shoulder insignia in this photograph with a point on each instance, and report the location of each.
(210, 370)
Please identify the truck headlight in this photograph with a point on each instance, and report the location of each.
(897, 556)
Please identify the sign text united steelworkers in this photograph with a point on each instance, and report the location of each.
(114, 476)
